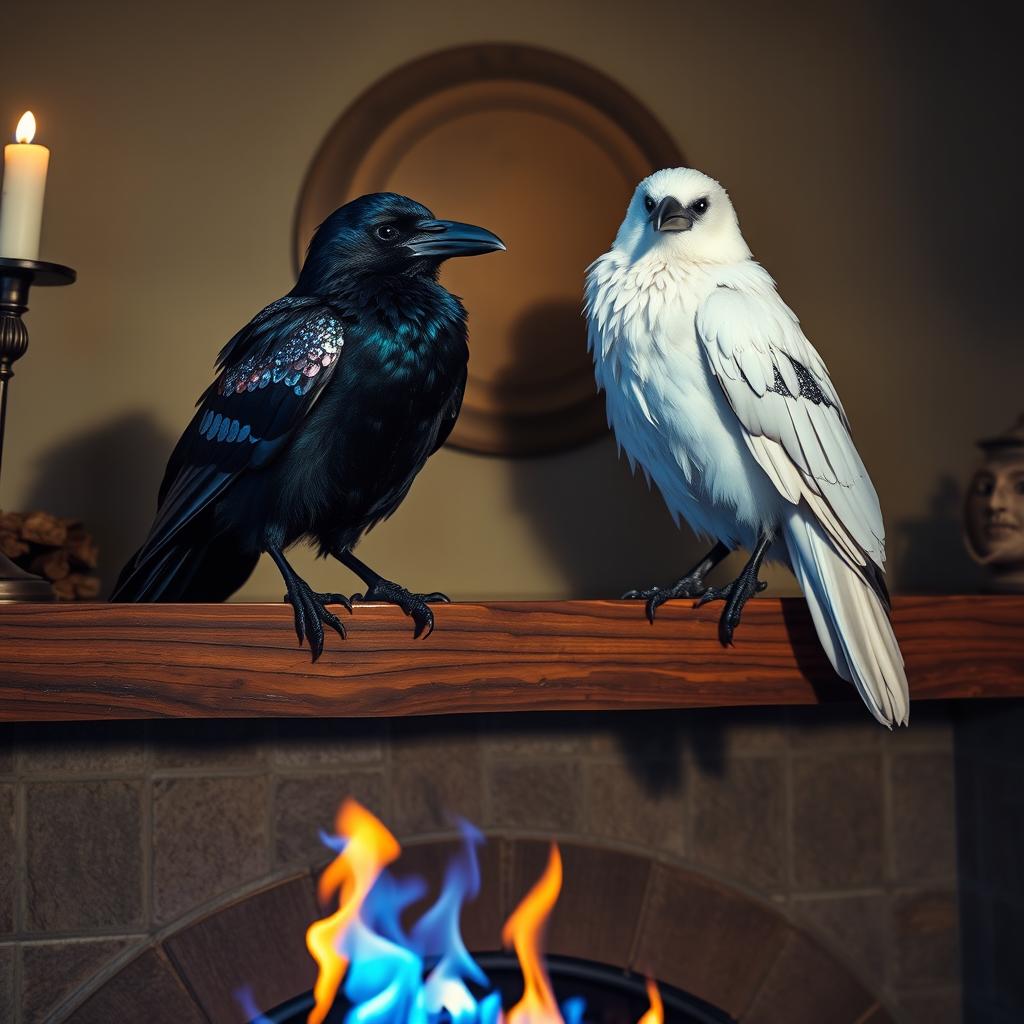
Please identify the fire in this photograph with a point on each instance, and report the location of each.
(369, 847)
(26, 130)
(524, 931)
(656, 1012)
(425, 975)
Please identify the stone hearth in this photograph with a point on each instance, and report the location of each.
(748, 853)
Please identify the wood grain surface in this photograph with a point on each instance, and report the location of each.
(103, 661)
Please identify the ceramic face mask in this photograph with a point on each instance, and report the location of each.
(994, 512)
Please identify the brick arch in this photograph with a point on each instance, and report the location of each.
(616, 907)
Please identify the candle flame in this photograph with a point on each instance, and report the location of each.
(26, 130)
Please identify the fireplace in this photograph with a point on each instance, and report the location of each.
(389, 948)
(712, 948)
(143, 867)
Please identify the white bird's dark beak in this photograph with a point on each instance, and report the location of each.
(446, 238)
(669, 215)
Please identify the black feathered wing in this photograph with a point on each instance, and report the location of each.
(451, 414)
(272, 373)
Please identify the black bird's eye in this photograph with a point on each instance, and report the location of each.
(648, 203)
(387, 232)
(701, 206)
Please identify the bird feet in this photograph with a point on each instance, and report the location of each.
(735, 595)
(689, 586)
(416, 606)
(311, 614)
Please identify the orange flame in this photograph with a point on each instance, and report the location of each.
(655, 1014)
(369, 848)
(524, 931)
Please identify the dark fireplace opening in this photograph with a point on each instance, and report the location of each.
(610, 995)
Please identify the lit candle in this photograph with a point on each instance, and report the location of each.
(21, 208)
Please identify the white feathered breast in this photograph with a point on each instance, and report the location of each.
(669, 413)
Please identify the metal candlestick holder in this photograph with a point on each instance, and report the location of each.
(16, 277)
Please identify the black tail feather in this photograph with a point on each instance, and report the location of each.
(209, 571)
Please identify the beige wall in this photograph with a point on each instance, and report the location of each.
(862, 148)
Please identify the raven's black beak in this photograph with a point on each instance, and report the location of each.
(445, 238)
(669, 215)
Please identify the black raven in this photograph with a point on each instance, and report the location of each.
(326, 406)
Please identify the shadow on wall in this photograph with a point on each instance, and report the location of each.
(929, 554)
(108, 477)
(549, 362)
(607, 532)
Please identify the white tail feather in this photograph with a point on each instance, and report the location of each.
(851, 621)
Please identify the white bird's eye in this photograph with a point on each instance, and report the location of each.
(648, 203)
(701, 206)
(387, 232)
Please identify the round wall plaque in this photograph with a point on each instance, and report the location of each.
(545, 152)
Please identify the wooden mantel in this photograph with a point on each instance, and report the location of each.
(100, 661)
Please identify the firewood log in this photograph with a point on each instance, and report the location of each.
(54, 565)
(81, 548)
(12, 545)
(77, 586)
(59, 549)
(10, 522)
(43, 528)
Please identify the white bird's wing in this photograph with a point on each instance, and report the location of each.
(793, 421)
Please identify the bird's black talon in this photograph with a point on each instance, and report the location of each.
(713, 594)
(316, 640)
(689, 586)
(334, 622)
(735, 595)
(416, 606)
(311, 614)
(424, 620)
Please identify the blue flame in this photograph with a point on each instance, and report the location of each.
(385, 980)
(387, 901)
(246, 1000)
(573, 1010)
(438, 938)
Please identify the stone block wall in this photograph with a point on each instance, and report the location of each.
(112, 834)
